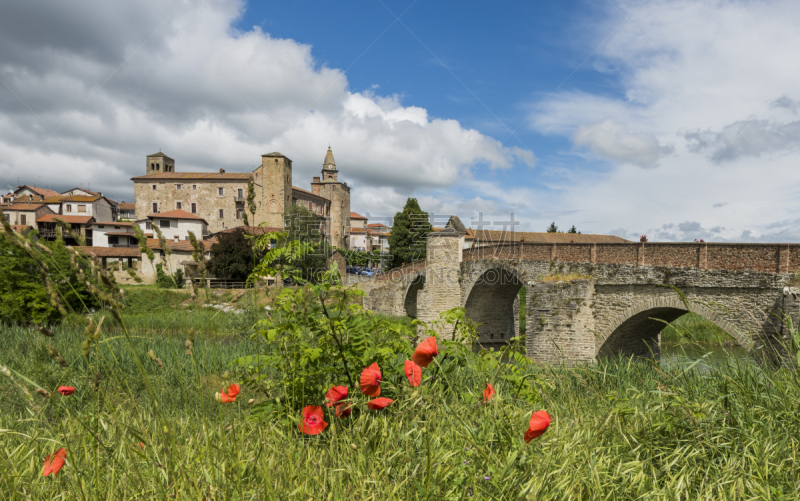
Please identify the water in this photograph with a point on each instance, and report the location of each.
(703, 356)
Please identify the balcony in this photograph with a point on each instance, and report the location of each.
(238, 199)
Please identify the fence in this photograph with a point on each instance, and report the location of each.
(220, 283)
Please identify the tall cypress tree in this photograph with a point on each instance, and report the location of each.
(409, 234)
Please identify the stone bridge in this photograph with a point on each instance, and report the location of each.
(616, 301)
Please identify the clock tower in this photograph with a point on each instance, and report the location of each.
(329, 171)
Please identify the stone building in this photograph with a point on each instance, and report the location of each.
(221, 198)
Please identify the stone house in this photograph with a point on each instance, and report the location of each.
(25, 214)
(180, 258)
(221, 198)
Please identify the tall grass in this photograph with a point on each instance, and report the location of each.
(622, 429)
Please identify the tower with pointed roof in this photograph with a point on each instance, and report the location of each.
(328, 186)
(158, 163)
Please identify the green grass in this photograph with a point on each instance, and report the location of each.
(692, 328)
(621, 430)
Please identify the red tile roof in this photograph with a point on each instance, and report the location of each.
(176, 214)
(113, 223)
(80, 198)
(27, 207)
(357, 230)
(244, 176)
(376, 225)
(126, 206)
(51, 218)
(355, 215)
(45, 192)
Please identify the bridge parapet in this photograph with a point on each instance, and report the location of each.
(769, 258)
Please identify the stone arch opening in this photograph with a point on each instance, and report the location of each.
(410, 302)
(490, 304)
(637, 332)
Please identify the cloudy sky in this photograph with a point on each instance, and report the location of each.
(675, 119)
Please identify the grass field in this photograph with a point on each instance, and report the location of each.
(621, 429)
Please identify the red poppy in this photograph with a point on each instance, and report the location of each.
(225, 398)
(371, 381)
(488, 393)
(53, 462)
(66, 390)
(313, 420)
(335, 395)
(377, 404)
(413, 373)
(539, 422)
(425, 352)
(343, 410)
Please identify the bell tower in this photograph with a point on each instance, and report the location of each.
(159, 163)
(329, 172)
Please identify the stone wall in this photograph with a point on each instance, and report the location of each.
(441, 291)
(559, 322)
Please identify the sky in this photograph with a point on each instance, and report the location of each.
(672, 119)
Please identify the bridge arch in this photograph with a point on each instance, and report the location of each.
(416, 283)
(636, 331)
(490, 303)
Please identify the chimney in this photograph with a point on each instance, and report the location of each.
(222, 171)
(177, 239)
(316, 179)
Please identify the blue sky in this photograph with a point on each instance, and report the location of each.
(672, 118)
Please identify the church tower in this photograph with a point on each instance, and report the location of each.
(329, 171)
(159, 163)
(328, 186)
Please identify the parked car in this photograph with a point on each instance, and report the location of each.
(367, 272)
(352, 269)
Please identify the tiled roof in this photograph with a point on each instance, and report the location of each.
(159, 154)
(80, 198)
(45, 192)
(19, 228)
(82, 189)
(112, 223)
(111, 251)
(182, 245)
(376, 225)
(498, 236)
(274, 154)
(357, 230)
(126, 206)
(356, 215)
(177, 214)
(23, 207)
(244, 176)
(54, 199)
(120, 233)
(301, 190)
(51, 218)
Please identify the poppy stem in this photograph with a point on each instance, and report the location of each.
(336, 340)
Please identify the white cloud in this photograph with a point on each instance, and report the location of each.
(718, 82)
(209, 96)
(611, 139)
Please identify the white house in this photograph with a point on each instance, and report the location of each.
(175, 225)
(113, 234)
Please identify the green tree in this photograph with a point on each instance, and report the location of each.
(573, 229)
(552, 228)
(232, 256)
(410, 230)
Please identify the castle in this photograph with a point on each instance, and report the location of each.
(221, 198)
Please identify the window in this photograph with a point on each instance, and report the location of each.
(6, 217)
(310, 206)
(154, 186)
(100, 227)
(177, 186)
(194, 208)
(220, 192)
(69, 208)
(148, 225)
(152, 166)
(194, 186)
(164, 223)
(239, 213)
(178, 205)
(113, 240)
(81, 208)
(23, 219)
(115, 227)
(155, 207)
(241, 193)
(222, 213)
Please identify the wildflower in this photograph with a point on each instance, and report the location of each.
(54, 462)
(425, 352)
(371, 381)
(225, 398)
(313, 422)
(539, 422)
(377, 404)
(335, 395)
(488, 393)
(413, 373)
(66, 390)
(343, 409)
